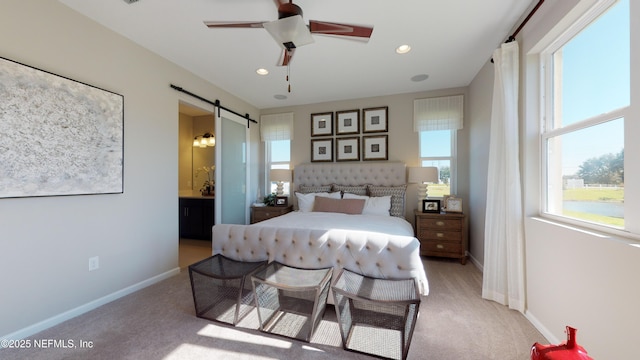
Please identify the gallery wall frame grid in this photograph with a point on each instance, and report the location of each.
(356, 135)
(59, 136)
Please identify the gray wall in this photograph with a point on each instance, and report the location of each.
(47, 242)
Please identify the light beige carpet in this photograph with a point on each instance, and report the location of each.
(158, 322)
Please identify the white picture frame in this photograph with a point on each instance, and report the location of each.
(454, 204)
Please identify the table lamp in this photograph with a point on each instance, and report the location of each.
(422, 176)
(280, 176)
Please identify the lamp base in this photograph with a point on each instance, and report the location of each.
(280, 188)
(422, 190)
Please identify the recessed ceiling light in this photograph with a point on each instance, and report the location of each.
(280, 97)
(403, 49)
(262, 71)
(420, 77)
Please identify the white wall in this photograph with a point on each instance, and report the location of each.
(574, 277)
(403, 141)
(46, 242)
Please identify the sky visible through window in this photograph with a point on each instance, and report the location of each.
(596, 80)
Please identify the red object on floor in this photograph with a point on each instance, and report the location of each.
(566, 351)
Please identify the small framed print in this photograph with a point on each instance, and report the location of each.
(322, 124)
(281, 201)
(430, 206)
(375, 120)
(375, 147)
(348, 149)
(444, 201)
(347, 122)
(322, 150)
(454, 204)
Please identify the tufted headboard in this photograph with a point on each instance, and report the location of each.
(374, 173)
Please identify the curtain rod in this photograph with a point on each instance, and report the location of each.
(214, 103)
(524, 22)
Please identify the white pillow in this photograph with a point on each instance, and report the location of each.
(374, 205)
(305, 201)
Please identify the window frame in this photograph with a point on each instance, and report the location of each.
(547, 131)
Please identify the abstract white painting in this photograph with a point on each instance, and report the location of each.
(58, 136)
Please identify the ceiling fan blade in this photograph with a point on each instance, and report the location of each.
(286, 57)
(235, 24)
(328, 28)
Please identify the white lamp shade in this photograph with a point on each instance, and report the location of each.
(419, 175)
(280, 175)
(291, 29)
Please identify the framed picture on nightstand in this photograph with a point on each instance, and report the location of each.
(454, 204)
(430, 206)
(282, 201)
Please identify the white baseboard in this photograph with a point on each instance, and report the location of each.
(475, 262)
(57, 319)
(543, 330)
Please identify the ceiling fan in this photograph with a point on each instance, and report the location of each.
(290, 31)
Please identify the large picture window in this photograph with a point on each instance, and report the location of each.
(587, 99)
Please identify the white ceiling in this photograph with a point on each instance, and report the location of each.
(450, 39)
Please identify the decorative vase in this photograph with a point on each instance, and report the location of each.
(566, 351)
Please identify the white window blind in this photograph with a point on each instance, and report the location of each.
(441, 113)
(276, 127)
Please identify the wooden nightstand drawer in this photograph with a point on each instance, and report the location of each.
(444, 224)
(450, 248)
(261, 213)
(431, 234)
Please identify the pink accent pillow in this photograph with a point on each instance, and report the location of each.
(345, 206)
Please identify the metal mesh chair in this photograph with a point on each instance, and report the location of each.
(376, 316)
(291, 301)
(220, 289)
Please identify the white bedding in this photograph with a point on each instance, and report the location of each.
(328, 221)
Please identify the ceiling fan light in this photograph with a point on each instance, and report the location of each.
(290, 30)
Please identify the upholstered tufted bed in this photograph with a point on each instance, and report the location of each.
(369, 244)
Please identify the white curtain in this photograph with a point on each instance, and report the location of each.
(441, 113)
(503, 275)
(276, 127)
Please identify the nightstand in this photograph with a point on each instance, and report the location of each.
(442, 234)
(261, 213)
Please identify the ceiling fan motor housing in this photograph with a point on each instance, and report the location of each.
(288, 9)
